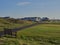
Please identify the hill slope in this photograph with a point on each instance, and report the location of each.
(12, 23)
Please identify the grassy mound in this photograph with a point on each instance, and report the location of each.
(13, 23)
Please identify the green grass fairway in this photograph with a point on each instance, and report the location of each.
(49, 30)
(43, 34)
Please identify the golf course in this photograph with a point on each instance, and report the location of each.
(42, 34)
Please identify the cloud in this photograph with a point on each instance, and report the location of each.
(23, 3)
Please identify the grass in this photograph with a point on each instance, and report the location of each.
(42, 34)
(7, 23)
(9, 41)
(42, 29)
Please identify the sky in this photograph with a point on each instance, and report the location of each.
(30, 8)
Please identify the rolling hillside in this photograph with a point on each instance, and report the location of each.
(12, 23)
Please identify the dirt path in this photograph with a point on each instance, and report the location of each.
(16, 29)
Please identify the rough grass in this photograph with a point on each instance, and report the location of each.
(6, 23)
(42, 34)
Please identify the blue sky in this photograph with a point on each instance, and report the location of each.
(23, 8)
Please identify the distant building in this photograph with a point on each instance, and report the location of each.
(45, 19)
(32, 18)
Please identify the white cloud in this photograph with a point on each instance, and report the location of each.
(23, 3)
